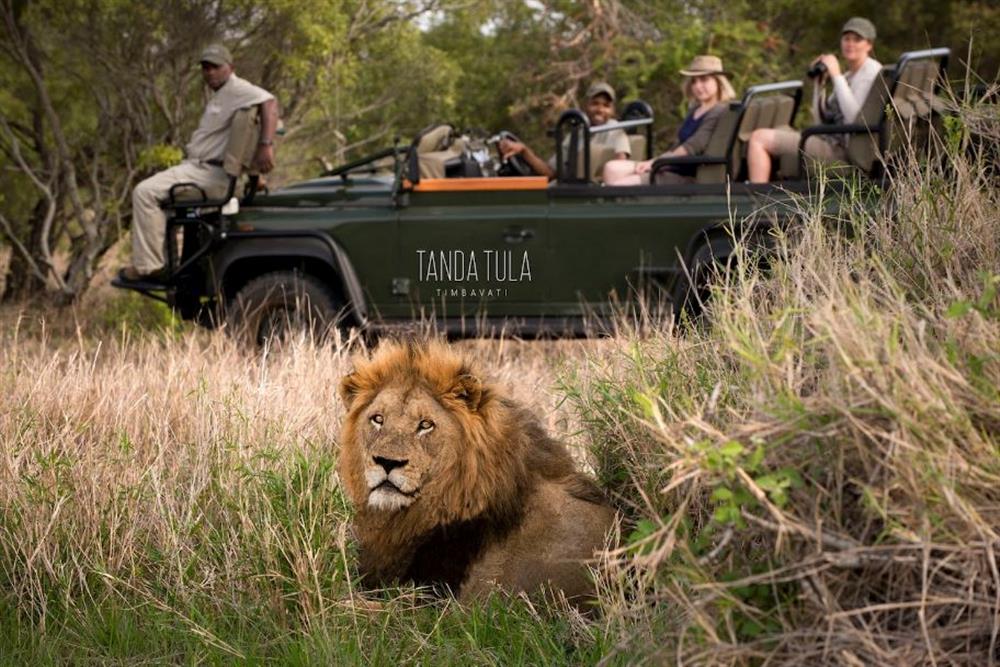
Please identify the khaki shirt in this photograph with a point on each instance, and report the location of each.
(209, 141)
(606, 143)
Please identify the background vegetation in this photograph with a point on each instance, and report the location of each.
(97, 94)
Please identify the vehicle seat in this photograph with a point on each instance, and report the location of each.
(637, 146)
(640, 138)
(719, 146)
(600, 155)
(435, 146)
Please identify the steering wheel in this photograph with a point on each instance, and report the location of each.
(515, 165)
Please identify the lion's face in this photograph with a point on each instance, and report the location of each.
(407, 437)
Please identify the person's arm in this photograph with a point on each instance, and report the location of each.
(623, 147)
(510, 148)
(849, 105)
(851, 97)
(698, 142)
(263, 159)
(647, 165)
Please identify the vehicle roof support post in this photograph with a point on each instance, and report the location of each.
(574, 124)
(641, 110)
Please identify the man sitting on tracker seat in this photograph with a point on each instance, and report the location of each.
(203, 165)
(600, 109)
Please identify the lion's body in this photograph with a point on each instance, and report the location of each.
(456, 486)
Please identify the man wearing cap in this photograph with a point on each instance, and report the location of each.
(600, 109)
(850, 89)
(203, 162)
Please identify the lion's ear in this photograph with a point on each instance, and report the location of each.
(349, 388)
(468, 389)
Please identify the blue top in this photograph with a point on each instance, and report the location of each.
(688, 128)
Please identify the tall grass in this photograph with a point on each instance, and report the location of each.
(815, 475)
(808, 474)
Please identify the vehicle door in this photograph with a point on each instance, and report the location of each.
(472, 254)
(610, 248)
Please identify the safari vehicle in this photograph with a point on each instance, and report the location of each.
(440, 229)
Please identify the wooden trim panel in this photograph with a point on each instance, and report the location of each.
(481, 184)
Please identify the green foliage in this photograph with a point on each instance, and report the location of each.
(158, 157)
(987, 305)
(132, 312)
(732, 463)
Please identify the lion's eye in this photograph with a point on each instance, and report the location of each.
(377, 420)
(425, 426)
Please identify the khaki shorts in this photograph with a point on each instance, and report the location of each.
(821, 148)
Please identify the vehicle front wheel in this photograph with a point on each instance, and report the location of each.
(280, 305)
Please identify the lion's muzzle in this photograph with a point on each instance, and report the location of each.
(389, 486)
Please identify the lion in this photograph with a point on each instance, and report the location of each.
(457, 487)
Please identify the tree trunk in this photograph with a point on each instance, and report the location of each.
(22, 282)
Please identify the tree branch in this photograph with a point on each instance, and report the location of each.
(25, 254)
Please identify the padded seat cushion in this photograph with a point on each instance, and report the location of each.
(638, 148)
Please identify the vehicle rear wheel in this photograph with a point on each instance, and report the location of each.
(281, 305)
(693, 287)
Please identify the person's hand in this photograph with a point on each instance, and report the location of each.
(263, 159)
(509, 148)
(643, 167)
(832, 64)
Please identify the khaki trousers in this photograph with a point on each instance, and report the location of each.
(149, 221)
(821, 148)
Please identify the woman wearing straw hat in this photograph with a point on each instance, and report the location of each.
(850, 89)
(707, 87)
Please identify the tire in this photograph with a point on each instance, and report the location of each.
(693, 287)
(281, 305)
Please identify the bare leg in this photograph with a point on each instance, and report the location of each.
(759, 150)
(621, 172)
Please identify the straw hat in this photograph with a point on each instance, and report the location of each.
(702, 65)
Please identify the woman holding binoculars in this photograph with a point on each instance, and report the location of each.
(850, 88)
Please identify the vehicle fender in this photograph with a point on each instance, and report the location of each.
(312, 245)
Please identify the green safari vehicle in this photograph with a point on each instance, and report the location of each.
(442, 230)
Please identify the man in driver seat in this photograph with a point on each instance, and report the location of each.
(600, 109)
(203, 162)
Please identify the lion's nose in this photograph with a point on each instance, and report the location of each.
(390, 464)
